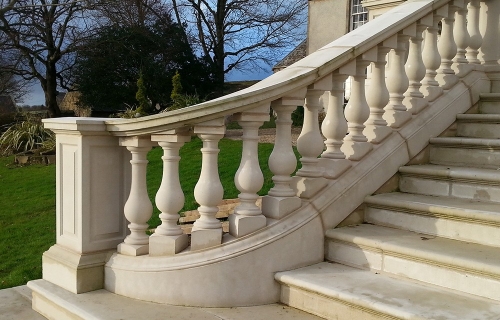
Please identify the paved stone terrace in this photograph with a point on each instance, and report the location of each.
(15, 304)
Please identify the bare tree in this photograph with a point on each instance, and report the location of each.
(10, 84)
(241, 34)
(7, 6)
(41, 36)
(132, 12)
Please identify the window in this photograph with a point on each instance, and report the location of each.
(359, 14)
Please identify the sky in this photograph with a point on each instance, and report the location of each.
(36, 96)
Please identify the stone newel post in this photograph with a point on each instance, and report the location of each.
(92, 185)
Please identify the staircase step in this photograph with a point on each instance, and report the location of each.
(340, 292)
(465, 152)
(457, 265)
(478, 126)
(459, 219)
(459, 182)
(489, 103)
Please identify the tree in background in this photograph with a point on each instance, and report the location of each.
(140, 96)
(108, 67)
(45, 34)
(240, 35)
(10, 84)
(179, 98)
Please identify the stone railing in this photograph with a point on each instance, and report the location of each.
(101, 175)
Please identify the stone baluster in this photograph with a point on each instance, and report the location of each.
(247, 216)
(281, 199)
(208, 192)
(334, 128)
(431, 57)
(488, 26)
(462, 39)
(309, 179)
(169, 238)
(138, 208)
(447, 47)
(356, 145)
(310, 142)
(476, 39)
(378, 95)
(397, 81)
(415, 69)
(489, 53)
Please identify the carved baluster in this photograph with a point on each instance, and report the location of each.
(431, 57)
(462, 38)
(310, 142)
(168, 238)
(397, 81)
(378, 95)
(334, 128)
(488, 26)
(476, 39)
(309, 179)
(489, 52)
(208, 192)
(247, 216)
(356, 144)
(415, 68)
(281, 199)
(138, 208)
(447, 49)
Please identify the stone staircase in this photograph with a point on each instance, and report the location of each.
(428, 251)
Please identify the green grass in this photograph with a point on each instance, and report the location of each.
(27, 203)
(27, 220)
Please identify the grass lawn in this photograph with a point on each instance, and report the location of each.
(27, 203)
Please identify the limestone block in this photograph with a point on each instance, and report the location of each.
(74, 272)
(133, 249)
(167, 245)
(306, 188)
(356, 150)
(240, 225)
(205, 238)
(279, 207)
(333, 168)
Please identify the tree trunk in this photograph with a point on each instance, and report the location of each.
(219, 46)
(51, 91)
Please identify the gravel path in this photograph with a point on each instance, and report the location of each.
(265, 135)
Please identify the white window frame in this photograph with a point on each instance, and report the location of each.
(359, 15)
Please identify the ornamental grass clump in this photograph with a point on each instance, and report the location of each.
(25, 135)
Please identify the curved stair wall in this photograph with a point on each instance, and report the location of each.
(102, 203)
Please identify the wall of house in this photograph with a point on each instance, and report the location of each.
(330, 19)
(327, 21)
(378, 7)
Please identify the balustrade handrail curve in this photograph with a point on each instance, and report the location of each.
(295, 77)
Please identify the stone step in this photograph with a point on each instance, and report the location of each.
(459, 182)
(56, 303)
(489, 103)
(471, 152)
(335, 291)
(456, 265)
(459, 219)
(479, 126)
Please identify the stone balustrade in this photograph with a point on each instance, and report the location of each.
(410, 66)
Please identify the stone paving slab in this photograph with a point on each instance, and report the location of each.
(15, 304)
